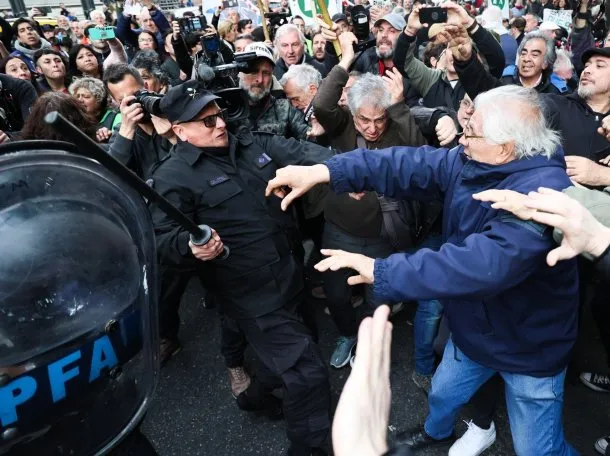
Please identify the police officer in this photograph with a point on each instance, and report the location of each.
(219, 179)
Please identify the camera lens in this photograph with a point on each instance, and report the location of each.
(434, 16)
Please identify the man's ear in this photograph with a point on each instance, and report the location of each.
(179, 131)
(506, 154)
(313, 89)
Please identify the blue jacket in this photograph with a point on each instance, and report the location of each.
(506, 308)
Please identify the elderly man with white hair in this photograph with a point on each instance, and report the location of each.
(509, 312)
(290, 44)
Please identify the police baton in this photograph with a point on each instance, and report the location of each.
(200, 234)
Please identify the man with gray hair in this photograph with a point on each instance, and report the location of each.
(508, 311)
(536, 56)
(290, 43)
(376, 117)
(300, 84)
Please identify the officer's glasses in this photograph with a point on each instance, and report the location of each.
(211, 120)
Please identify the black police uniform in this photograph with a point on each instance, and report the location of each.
(261, 283)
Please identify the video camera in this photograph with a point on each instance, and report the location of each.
(360, 23)
(222, 77)
(276, 20)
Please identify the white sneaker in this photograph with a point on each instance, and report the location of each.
(474, 441)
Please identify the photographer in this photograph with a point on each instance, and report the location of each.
(183, 55)
(267, 113)
(134, 142)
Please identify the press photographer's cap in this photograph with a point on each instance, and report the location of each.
(261, 51)
(395, 20)
(184, 102)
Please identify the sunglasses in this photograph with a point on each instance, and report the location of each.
(211, 120)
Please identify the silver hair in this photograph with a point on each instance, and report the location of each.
(285, 30)
(95, 13)
(563, 60)
(515, 114)
(93, 85)
(549, 54)
(369, 89)
(303, 76)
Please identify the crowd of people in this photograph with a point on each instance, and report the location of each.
(472, 139)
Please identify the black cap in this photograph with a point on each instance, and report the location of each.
(184, 102)
(339, 17)
(605, 52)
(47, 28)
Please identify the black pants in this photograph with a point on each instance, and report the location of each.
(601, 314)
(289, 357)
(336, 288)
(485, 401)
(173, 283)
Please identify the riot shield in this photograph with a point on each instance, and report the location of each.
(78, 305)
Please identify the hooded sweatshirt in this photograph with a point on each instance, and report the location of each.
(27, 52)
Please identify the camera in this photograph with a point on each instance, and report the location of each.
(192, 24)
(360, 24)
(150, 103)
(222, 77)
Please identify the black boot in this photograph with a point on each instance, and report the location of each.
(299, 450)
(418, 438)
(255, 399)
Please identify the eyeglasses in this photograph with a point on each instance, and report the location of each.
(211, 120)
(469, 136)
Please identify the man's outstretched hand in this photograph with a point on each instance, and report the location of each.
(338, 259)
(299, 179)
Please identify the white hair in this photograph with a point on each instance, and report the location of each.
(515, 114)
(96, 13)
(369, 89)
(285, 30)
(563, 61)
(303, 76)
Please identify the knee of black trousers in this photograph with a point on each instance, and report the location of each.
(307, 399)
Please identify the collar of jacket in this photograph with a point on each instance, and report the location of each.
(192, 153)
(28, 51)
(475, 171)
(583, 103)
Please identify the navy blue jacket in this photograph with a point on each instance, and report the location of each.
(506, 308)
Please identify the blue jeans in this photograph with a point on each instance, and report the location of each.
(534, 404)
(427, 319)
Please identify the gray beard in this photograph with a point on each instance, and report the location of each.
(256, 97)
(585, 92)
(385, 55)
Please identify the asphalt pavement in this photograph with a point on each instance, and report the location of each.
(193, 412)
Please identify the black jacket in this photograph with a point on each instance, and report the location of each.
(281, 68)
(228, 193)
(476, 80)
(142, 153)
(578, 125)
(16, 98)
(277, 116)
